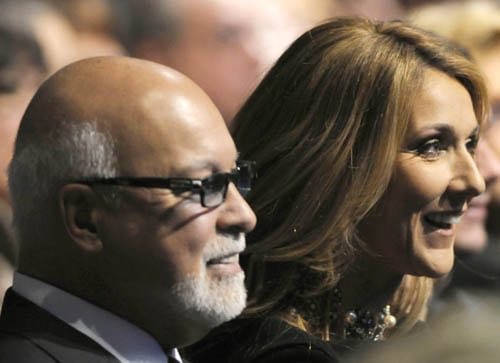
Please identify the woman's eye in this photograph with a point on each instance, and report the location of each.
(431, 149)
(472, 145)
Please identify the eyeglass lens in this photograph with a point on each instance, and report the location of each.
(215, 187)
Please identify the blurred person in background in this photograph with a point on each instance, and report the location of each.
(39, 20)
(8, 248)
(309, 13)
(373, 9)
(475, 25)
(409, 5)
(225, 46)
(460, 336)
(94, 22)
(35, 40)
(20, 68)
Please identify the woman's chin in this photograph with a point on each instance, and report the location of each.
(437, 263)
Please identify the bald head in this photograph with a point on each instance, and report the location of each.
(103, 117)
(118, 91)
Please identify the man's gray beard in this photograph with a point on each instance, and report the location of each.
(209, 302)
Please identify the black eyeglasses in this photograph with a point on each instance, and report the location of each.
(212, 190)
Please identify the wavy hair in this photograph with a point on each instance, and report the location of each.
(325, 126)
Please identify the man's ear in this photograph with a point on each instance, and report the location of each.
(79, 208)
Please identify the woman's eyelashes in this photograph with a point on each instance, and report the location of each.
(472, 143)
(433, 147)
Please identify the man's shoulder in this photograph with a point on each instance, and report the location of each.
(21, 318)
(16, 348)
(31, 334)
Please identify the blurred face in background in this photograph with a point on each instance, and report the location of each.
(472, 235)
(489, 63)
(56, 39)
(226, 46)
(12, 107)
(493, 137)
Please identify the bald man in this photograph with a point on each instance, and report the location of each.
(125, 187)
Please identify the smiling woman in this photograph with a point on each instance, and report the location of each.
(364, 136)
(434, 177)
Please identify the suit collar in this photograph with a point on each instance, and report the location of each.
(123, 340)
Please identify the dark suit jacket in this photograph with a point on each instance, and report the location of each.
(263, 340)
(31, 334)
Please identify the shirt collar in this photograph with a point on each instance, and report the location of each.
(125, 341)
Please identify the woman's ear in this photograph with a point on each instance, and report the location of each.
(80, 208)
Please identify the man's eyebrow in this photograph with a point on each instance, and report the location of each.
(205, 165)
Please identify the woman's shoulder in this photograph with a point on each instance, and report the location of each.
(261, 340)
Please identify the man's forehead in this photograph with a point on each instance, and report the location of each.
(184, 109)
(199, 153)
(197, 161)
(185, 139)
(152, 113)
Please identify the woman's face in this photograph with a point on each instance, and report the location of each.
(414, 225)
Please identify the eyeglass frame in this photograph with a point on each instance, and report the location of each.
(244, 168)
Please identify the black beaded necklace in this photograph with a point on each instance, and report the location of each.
(356, 323)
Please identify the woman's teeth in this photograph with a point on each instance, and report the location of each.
(443, 220)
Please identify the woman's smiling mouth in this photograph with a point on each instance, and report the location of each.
(443, 220)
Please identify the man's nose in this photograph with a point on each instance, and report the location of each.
(235, 212)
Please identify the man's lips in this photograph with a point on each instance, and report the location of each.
(226, 264)
(226, 259)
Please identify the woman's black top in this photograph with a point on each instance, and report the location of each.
(262, 340)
